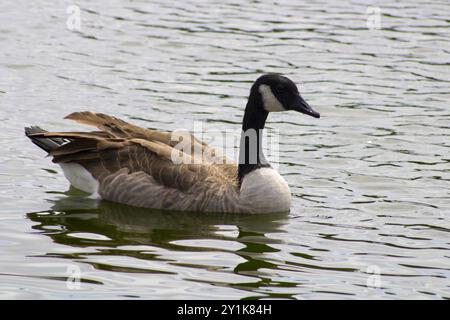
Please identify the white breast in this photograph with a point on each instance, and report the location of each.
(264, 190)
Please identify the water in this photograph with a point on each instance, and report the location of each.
(370, 179)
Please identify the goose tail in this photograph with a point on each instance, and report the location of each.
(47, 144)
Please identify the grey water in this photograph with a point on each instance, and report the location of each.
(369, 180)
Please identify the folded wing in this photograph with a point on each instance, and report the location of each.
(144, 167)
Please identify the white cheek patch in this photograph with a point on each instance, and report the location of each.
(270, 102)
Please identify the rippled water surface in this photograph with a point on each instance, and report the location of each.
(370, 179)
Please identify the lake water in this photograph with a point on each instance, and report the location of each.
(370, 179)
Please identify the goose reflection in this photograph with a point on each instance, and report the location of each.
(109, 226)
(126, 225)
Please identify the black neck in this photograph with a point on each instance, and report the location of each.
(251, 155)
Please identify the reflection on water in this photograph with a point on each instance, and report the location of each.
(370, 179)
(107, 227)
(126, 225)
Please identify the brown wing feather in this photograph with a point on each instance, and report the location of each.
(120, 145)
(120, 129)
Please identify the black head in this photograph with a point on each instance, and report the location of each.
(279, 93)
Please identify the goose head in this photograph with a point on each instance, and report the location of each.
(278, 93)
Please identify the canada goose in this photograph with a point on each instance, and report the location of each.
(133, 165)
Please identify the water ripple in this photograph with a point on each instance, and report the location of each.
(369, 179)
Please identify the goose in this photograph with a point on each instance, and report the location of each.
(125, 163)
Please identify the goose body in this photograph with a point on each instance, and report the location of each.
(142, 167)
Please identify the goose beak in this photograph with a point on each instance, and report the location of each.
(302, 106)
